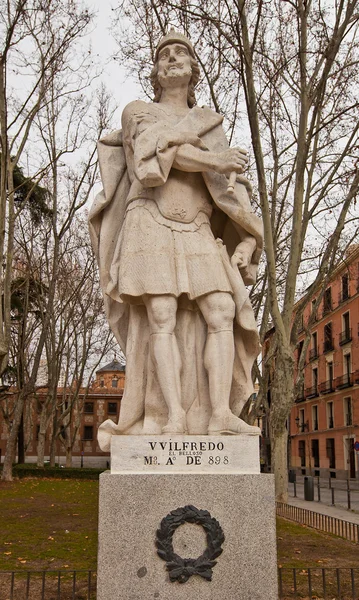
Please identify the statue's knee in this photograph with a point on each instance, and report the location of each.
(221, 315)
(162, 314)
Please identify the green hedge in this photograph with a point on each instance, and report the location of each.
(31, 470)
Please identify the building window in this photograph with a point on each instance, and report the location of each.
(330, 416)
(300, 348)
(328, 338)
(327, 302)
(301, 452)
(112, 408)
(114, 382)
(88, 408)
(315, 417)
(88, 433)
(314, 310)
(301, 421)
(301, 323)
(346, 334)
(315, 380)
(313, 352)
(315, 453)
(345, 288)
(348, 415)
(331, 454)
(102, 382)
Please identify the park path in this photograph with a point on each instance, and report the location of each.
(339, 511)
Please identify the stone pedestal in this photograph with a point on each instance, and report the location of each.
(132, 506)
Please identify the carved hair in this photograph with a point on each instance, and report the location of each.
(191, 98)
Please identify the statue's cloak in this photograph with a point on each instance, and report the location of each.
(143, 409)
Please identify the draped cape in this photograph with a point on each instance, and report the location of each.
(143, 410)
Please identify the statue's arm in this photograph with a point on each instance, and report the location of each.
(156, 148)
(192, 159)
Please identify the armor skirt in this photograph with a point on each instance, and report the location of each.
(156, 255)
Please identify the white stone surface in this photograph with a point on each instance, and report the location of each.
(185, 454)
(176, 247)
(131, 510)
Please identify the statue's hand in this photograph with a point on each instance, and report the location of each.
(231, 160)
(242, 255)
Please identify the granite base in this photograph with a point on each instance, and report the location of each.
(131, 509)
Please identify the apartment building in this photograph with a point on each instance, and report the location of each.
(324, 422)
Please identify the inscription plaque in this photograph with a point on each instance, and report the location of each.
(185, 454)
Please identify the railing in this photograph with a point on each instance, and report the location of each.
(326, 387)
(42, 585)
(343, 381)
(336, 584)
(313, 353)
(311, 392)
(328, 345)
(325, 583)
(343, 296)
(327, 309)
(344, 529)
(345, 336)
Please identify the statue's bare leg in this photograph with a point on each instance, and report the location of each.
(162, 312)
(218, 311)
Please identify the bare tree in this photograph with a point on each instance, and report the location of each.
(297, 66)
(38, 37)
(63, 118)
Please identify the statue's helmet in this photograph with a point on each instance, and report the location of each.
(173, 37)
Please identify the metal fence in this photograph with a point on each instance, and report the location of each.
(47, 585)
(322, 584)
(344, 529)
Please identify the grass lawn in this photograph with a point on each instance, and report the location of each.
(52, 524)
(48, 524)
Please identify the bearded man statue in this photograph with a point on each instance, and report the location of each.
(177, 246)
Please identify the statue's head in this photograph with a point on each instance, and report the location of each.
(178, 41)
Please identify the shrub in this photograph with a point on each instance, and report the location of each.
(31, 470)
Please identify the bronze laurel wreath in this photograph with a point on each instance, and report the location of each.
(181, 569)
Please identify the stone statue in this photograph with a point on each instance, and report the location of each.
(177, 242)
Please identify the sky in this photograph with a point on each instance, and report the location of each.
(123, 89)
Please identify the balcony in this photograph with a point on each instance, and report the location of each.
(327, 309)
(328, 345)
(343, 296)
(311, 392)
(344, 381)
(300, 397)
(313, 353)
(345, 336)
(326, 387)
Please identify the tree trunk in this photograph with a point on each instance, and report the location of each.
(41, 448)
(21, 442)
(53, 452)
(281, 401)
(10, 453)
(42, 438)
(279, 451)
(68, 457)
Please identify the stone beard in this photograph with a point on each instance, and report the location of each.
(176, 250)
